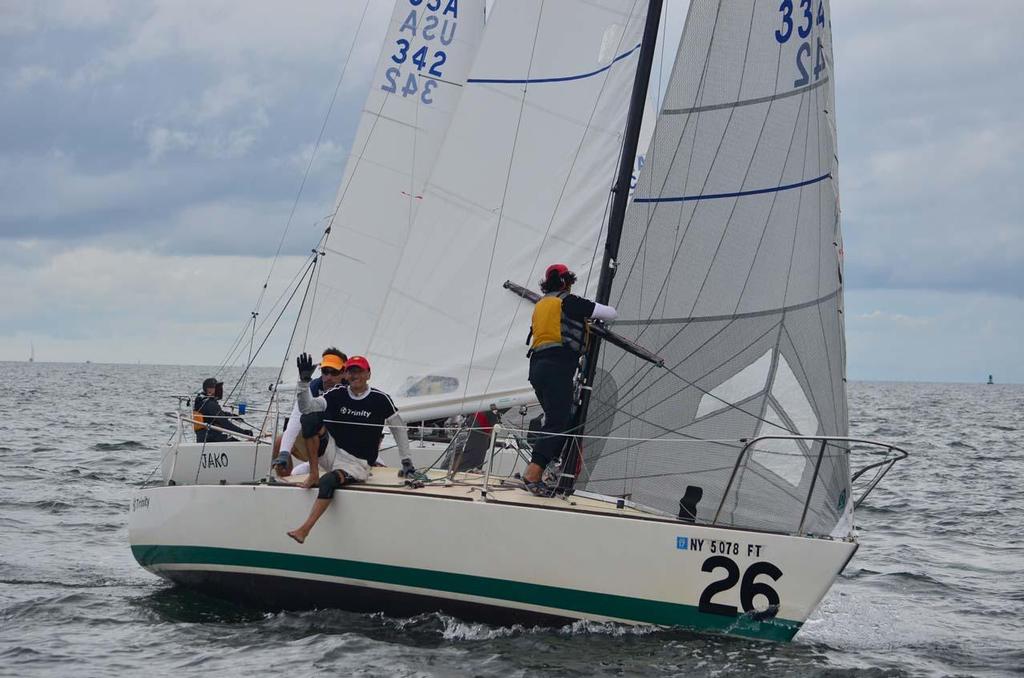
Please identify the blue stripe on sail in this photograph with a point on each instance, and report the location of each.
(738, 194)
(565, 78)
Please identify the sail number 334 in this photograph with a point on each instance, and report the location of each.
(800, 20)
(419, 50)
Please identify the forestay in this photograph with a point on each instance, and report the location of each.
(416, 86)
(730, 269)
(522, 179)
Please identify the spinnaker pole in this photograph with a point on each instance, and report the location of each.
(616, 218)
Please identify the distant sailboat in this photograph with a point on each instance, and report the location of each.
(990, 382)
(32, 354)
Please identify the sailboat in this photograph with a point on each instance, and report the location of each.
(716, 491)
(32, 353)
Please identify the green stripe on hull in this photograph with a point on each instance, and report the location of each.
(601, 604)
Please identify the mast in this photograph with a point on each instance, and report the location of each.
(620, 202)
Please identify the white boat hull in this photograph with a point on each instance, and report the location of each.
(511, 558)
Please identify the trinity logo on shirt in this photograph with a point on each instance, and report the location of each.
(355, 413)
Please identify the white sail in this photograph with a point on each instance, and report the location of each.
(522, 180)
(730, 270)
(416, 86)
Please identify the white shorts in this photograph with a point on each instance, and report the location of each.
(354, 468)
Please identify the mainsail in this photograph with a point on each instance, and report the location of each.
(416, 86)
(730, 269)
(521, 180)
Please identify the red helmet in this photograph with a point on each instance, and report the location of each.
(560, 269)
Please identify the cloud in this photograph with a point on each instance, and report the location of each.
(26, 76)
(236, 35)
(929, 141)
(26, 17)
(161, 140)
(926, 335)
(94, 301)
(329, 154)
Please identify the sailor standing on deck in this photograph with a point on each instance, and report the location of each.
(355, 416)
(557, 333)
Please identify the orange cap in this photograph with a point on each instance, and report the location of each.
(333, 361)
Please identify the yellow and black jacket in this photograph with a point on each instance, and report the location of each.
(559, 322)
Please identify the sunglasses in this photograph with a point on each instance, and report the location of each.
(329, 371)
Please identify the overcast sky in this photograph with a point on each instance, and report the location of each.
(151, 152)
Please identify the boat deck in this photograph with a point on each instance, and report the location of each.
(500, 490)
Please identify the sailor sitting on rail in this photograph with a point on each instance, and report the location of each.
(305, 436)
(355, 416)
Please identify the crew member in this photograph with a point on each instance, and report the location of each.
(558, 333)
(305, 437)
(206, 412)
(355, 416)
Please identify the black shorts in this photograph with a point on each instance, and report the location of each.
(312, 423)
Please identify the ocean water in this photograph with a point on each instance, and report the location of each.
(936, 588)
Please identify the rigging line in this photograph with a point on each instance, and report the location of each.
(800, 194)
(601, 237)
(667, 474)
(651, 157)
(285, 292)
(689, 384)
(782, 170)
(558, 203)
(662, 292)
(266, 338)
(821, 261)
(312, 301)
(399, 255)
(287, 353)
(718, 150)
(699, 95)
(645, 370)
(770, 211)
(501, 207)
(316, 147)
(231, 356)
(296, 280)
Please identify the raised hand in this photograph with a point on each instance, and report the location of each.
(305, 364)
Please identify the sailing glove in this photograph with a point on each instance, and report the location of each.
(407, 470)
(305, 365)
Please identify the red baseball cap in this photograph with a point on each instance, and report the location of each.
(357, 361)
(556, 268)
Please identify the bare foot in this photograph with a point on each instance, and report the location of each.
(298, 536)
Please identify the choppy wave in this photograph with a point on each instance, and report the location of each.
(116, 447)
(932, 590)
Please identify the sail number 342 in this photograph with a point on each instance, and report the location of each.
(419, 50)
(800, 20)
